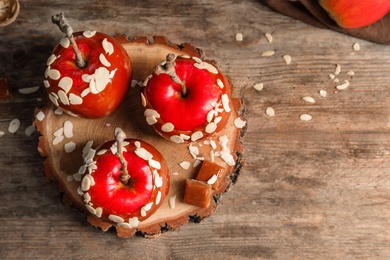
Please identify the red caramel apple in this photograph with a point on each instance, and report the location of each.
(125, 181)
(355, 13)
(88, 74)
(186, 99)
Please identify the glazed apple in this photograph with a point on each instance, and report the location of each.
(355, 13)
(126, 181)
(186, 99)
(88, 73)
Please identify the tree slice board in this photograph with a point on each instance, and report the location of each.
(60, 165)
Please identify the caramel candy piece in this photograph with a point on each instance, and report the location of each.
(197, 193)
(4, 88)
(211, 173)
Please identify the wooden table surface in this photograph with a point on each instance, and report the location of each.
(317, 189)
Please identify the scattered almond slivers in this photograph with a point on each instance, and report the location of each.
(305, 117)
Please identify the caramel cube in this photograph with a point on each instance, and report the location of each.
(211, 173)
(197, 193)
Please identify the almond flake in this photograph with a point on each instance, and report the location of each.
(59, 132)
(211, 127)
(220, 83)
(258, 86)
(196, 136)
(185, 137)
(14, 126)
(176, 139)
(28, 90)
(269, 37)
(66, 84)
(143, 153)
(267, 53)
(239, 123)
(63, 97)
(151, 112)
(305, 117)
(337, 69)
(151, 120)
(287, 59)
(85, 183)
(196, 59)
(154, 164)
(210, 115)
(210, 68)
(58, 111)
(309, 99)
(167, 127)
(70, 147)
(158, 180)
(143, 100)
(323, 93)
(51, 59)
(172, 202)
(87, 78)
(343, 86)
(46, 83)
(85, 92)
(104, 60)
(75, 100)
(54, 98)
(134, 222)
(57, 139)
(270, 111)
(90, 209)
(158, 197)
(185, 165)
(212, 180)
(194, 151)
(116, 218)
(239, 37)
(64, 42)
(101, 78)
(107, 46)
(30, 130)
(225, 102)
(89, 34)
(356, 46)
(198, 161)
(40, 116)
(53, 74)
(68, 129)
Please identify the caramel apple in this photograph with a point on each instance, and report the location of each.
(88, 73)
(186, 99)
(125, 181)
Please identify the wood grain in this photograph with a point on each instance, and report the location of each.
(310, 190)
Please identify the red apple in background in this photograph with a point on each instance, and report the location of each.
(355, 13)
(125, 182)
(88, 74)
(186, 99)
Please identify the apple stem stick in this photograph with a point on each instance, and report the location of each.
(64, 26)
(120, 137)
(169, 68)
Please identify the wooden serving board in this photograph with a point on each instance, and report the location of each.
(60, 165)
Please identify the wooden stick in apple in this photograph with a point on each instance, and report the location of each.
(169, 68)
(120, 138)
(65, 27)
